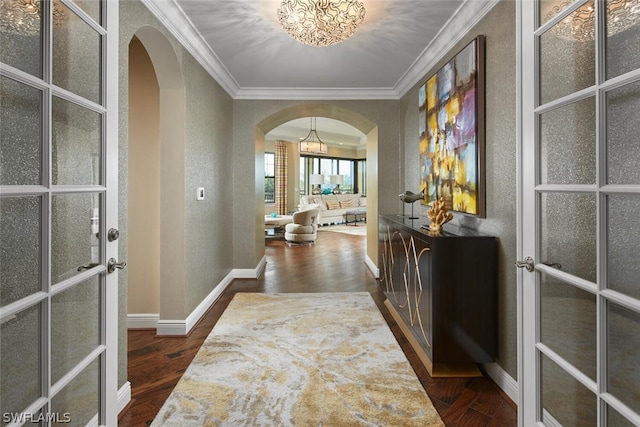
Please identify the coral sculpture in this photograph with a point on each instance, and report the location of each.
(438, 215)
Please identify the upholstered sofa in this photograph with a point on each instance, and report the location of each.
(333, 206)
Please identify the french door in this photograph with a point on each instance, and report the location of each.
(580, 212)
(58, 212)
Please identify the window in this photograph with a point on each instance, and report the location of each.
(269, 177)
(352, 171)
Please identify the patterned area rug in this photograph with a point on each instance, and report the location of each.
(326, 359)
(356, 230)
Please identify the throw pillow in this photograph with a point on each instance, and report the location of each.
(363, 201)
(333, 204)
(346, 203)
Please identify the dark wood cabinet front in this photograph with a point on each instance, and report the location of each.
(443, 288)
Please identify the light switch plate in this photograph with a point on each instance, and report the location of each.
(200, 193)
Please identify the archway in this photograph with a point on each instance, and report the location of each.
(356, 120)
(156, 143)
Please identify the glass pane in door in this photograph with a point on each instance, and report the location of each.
(75, 325)
(564, 398)
(20, 133)
(74, 234)
(78, 402)
(20, 247)
(567, 57)
(20, 360)
(21, 35)
(91, 8)
(614, 418)
(568, 233)
(568, 144)
(623, 243)
(623, 357)
(76, 144)
(550, 8)
(568, 323)
(77, 53)
(623, 36)
(623, 128)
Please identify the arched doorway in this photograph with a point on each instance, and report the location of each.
(156, 285)
(354, 119)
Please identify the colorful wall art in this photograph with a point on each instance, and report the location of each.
(451, 103)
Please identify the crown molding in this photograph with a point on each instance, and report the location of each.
(171, 15)
(316, 94)
(457, 27)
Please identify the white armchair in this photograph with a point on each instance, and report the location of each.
(304, 228)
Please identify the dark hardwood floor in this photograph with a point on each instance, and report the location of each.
(336, 263)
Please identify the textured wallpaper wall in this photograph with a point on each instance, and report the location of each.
(499, 29)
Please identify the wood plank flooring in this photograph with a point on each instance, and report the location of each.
(335, 263)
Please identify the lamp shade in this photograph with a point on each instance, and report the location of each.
(316, 179)
(337, 179)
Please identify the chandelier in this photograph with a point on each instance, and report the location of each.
(312, 142)
(321, 22)
(23, 17)
(580, 25)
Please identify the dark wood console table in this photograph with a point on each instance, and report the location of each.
(442, 291)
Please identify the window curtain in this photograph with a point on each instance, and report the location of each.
(281, 177)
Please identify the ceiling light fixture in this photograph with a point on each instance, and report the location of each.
(321, 22)
(312, 142)
(580, 24)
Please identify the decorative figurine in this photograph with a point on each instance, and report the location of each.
(411, 197)
(438, 216)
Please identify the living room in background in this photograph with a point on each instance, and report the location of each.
(351, 170)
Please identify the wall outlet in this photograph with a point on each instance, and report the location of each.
(200, 193)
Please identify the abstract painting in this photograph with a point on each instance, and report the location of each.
(451, 103)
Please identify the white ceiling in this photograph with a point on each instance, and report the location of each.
(241, 44)
(330, 131)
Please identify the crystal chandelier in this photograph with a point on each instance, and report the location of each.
(580, 25)
(321, 22)
(312, 142)
(23, 17)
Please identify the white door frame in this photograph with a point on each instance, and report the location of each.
(107, 350)
(110, 302)
(529, 225)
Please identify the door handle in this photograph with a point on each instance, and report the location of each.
(554, 265)
(88, 266)
(528, 263)
(113, 264)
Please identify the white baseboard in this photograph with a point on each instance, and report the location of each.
(183, 327)
(502, 380)
(373, 268)
(251, 273)
(142, 320)
(124, 396)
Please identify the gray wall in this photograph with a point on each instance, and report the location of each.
(207, 163)
(498, 27)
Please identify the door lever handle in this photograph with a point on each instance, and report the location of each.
(113, 264)
(528, 263)
(88, 266)
(554, 265)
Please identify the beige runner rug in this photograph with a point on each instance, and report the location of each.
(325, 359)
(355, 230)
